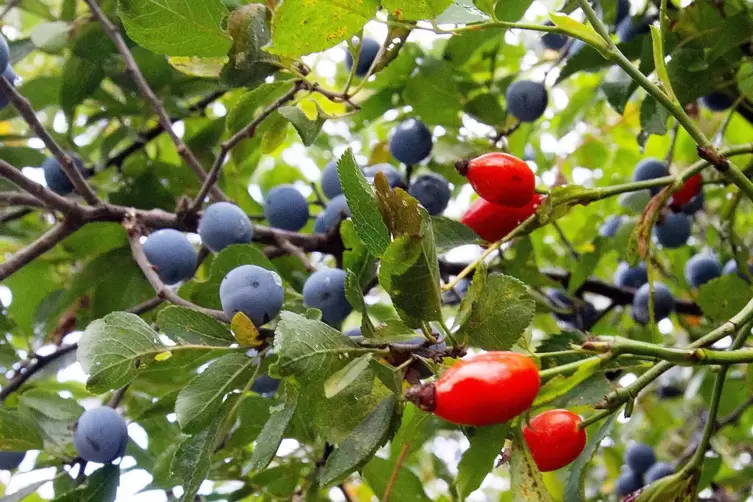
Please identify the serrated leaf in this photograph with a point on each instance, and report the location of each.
(574, 489)
(251, 104)
(355, 297)
(177, 27)
(561, 385)
(499, 315)
(271, 435)
(18, 431)
(101, 486)
(339, 380)
(673, 488)
(308, 129)
(244, 331)
(192, 326)
(248, 64)
(198, 402)
(363, 207)
(525, 476)
(579, 30)
(194, 457)
(54, 415)
(400, 211)
(723, 297)
(415, 10)
(449, 234)
(478, 459)
(409, 272)
(363, 442)
(653, 116)
(304, 26)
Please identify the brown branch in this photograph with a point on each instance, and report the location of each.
(245, 133)
(156, 105)
(19, 199)
(294, 250)
(8, 216)
(395, 471)
(44, 195)
(22, 105)
(38, 362)
(47, 241)
(131, 225)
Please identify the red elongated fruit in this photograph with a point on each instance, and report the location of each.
(482, 389)
(500, 178)
(491, 221)
(687, 191)
(555, 439)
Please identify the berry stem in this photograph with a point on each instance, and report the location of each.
(596, 417)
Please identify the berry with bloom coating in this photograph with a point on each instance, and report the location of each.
(411, 142)
(223, 224)
(366, 55)
(325, 290)
(702, 268)
(335, 210)
(500, 178)
(657, 471)
(265, 385)
(526, 100)
(11, 77)
(627, 483)
(330, 181)
(482, 389)
(286, 208)
(649, 169)
(173, 257)
(639, 457)
(491, 221)
(55, 177)
(674, 230)
(394, 177)
(9, 460)
(101, 435)
(553, 41)
(253, 290)
(631, 277)
(432, 191)
(611, 226)
(664, 303)
(4, 53)
(554, 438)
(717, 101)
(731, 268)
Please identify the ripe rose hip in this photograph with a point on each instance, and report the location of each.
(491, 221)
(483, 389)
(555, 439)
(500, 178)
(687, 191)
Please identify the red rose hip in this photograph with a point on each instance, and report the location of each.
(687, 191)
(491, 221)
(500, 178)
(483, 389)
(555, 439)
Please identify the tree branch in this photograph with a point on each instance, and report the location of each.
(19, 199)
(156, 105)
(46, 196)
(38, 362)
(47, 241)
(22, 105)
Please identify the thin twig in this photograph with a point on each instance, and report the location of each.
(44, 195)
(19, 199)
(226, 146)
(8, 216)
(565, 240)
(44, 243)
(156, 105)
(294, 250)
(395, 472)
(37, 364)
(117, 396)
(345, 493)
(22, 105)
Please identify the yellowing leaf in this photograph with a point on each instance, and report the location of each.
(244, 331)
(163, 356)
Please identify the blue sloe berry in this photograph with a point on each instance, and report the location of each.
(325, 290)
(731, 268)
(717, 101)
(583, 315)
(657, 471)
(630, 27)
(55, 177)
(553, 41)
(631, 277)
(172, 255)
(223, 224)
(627, 483)
(394, 177)
(101, 435)
(265, 385)
(432, 191)
(649, 169)
(695, 205)
(664, 303)
(366, 55)
(330, 181)
(674, 230)
(9, 460)
(702, 268)
(253, 290)
(526, 100)
(4, 53)
(623, 10)
(335, 210)
(286, 208)
(611, 226)
(11, 77)
(411, 141)
(639, 457)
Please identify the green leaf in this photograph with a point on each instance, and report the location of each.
(194, 457)
(499, 315)
(723, 297)
(198, 402)
(101, 486)
(50, 37)
(81, 77)
(378, 472)
(653, 116)
(191, 326)
(587, 263)
(54, 415)
(478, 459)
(617, 86)
(308, 129)
(357, 259)
(24, 492)
(18, 431)
(574, 490)
(271, 435)
(251, 104)
(361, 445)
(364, 209)
(310, 350)
(486, 108)
(304, 26)
(409, 272)
(449, 234)
(415, 10)
(580, 31)
(561, 385)
(339, 380)
(511, 10)
(525, 476)
(248, 64)
(745, 79)
(198, 67)
(276, 129)
(433, 93)
(659, 65)
(177, 27)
